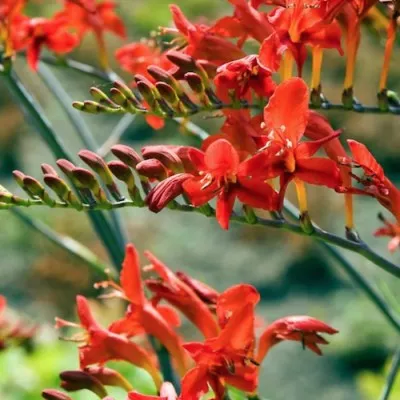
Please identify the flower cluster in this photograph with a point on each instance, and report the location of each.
(60, 33)
(229, 355)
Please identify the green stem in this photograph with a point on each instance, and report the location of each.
(44, 128)
(76, 249)
(319, 234)
(394, 369)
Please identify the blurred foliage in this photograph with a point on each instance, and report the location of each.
(41, 280)
(371, 383)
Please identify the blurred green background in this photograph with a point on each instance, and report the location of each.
(294, 277)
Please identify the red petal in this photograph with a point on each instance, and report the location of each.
(196, 192)
(232, 299)
(318, 171)
(308, 149)
(194, 383)
(169, 314)
(130, 278)
(85, 315)
(180, 21)
(256, 193)
(271, 51)
(363, 156)
(287, 110)
(224, 209)
(221, 158)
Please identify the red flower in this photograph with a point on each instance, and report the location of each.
(375, 183)
(136, 57)
(202, 42)
(251, 72)
(221, 175)
(300, 25)
(88, 15)
(176, 292)
(39, 32)
(392, 230)
(142, 316)
(10, 23)
(167, 392)
(102, 345)
(302, 329)
(285, 121)
(227, 358)
(255, 23)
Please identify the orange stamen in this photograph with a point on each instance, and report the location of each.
(317, 56)
(287, 66)
(391, 36)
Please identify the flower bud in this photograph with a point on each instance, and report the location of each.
(19, 178)
(148, 93)
(152, 169)
(87, 180)
(73, 381)
(66, 166)
(195, 82)
(126, 154)
(98, 165)
(48, 170)
(101, 97)
(109, 377)
(92, 107)
(62, 190)
(125, 90)
(122, 172)
(37, 189)
(168, 93)
(165, 192)
(52, 394)
(167, 154)
(161, 75)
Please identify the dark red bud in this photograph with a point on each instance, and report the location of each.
(73, 381)
(52, 394)
(48, 170)
(195, 82)
(165, 192)
(153, 169)
(109, 377)
(126, 154)
(66, 166)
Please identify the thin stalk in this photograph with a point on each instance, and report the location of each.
(44, 128)
(81, 128)
(76, 249)
(394, 369)
(320, 235)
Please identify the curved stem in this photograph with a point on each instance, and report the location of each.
(394, 369)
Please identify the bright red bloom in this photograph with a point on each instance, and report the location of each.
(285, 121)
(302, 329)
(176, 292)
(142, 316)
(137, 57)
(251, 72)
(102, 345)
(241, 130)
(225, 359)
(300, 25)
(36, 33)
(202, 42)
(254, 23)
(392, 230)
(375, 183)
(221, 175)
(90, 15)
(167, 392)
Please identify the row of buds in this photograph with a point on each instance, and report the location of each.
(95, 188)
(164, 94)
